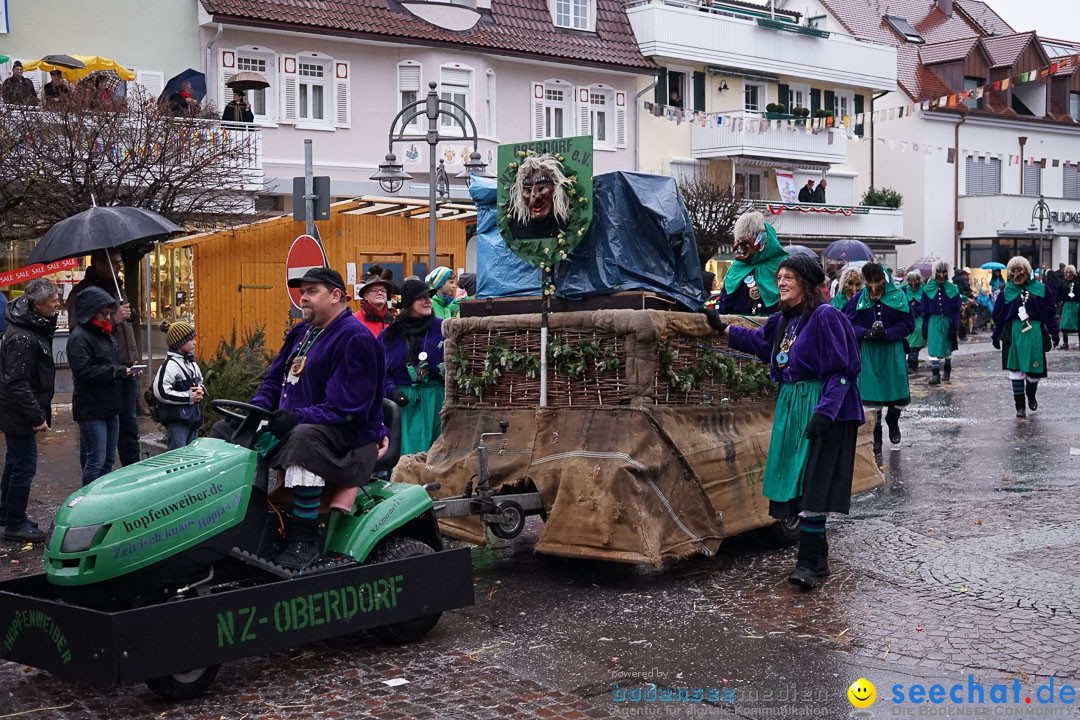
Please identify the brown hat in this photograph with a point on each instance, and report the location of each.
(374, 281)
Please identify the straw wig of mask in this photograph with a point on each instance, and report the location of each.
(544, 166)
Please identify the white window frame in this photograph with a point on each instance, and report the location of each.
(404, 85)
(763, 179)
(1074, 106)
(326, 82)
(794, 90)
(448, 71)
(598, 102)
(490, 105)
(545, 109)
(574, 14)
(256, 53)
(762, 97)
(843, 104)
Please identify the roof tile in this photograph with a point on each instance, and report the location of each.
(515, 27)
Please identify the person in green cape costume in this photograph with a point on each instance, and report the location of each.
(1070, 306)
(882, 320)
(941, 320)
(851, 282)
(813, 355)
(413, 346)
(1025, 328)
(913, 291)
(749, 288)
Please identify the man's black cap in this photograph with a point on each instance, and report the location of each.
(327, 276)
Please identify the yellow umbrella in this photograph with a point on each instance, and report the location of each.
(92, 63)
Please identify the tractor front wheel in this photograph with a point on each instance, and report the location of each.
(185, 685)
(406, 631)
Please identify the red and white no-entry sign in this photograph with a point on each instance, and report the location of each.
(304, 254)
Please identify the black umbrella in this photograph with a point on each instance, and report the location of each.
(64, 61)
(101, 228)
(197, 80)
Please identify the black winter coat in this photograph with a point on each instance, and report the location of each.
(95, 361)
(27, 371)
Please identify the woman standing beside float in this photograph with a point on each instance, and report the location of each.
(1070, 306)
(941, 320)
(881, 318)
(812, 354)
(1025, 327)
(913, 291)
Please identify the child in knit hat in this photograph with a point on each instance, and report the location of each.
(178, 386)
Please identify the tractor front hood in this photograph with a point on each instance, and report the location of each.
(158, 507)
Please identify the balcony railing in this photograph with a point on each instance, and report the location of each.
(832, 221)
(740, 134)
(686, 30)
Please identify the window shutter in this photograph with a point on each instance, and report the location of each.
(1032, 179)
(1071, 182)
(408, 78)
(153, 83)
(456, 76)
(342, 102)
(583, 125)
(290, 91)
(860, 107)
(782, 96)
(815, 99)
(660, 97)
(830, 101)
(538, 111)
(983, 176)
(620, 119)
(699, 91)
(227, 68)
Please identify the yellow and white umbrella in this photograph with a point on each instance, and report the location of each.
(92, 63)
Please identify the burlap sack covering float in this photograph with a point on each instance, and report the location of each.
(630, 469)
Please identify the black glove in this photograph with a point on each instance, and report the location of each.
(399, 397)
(714, 320)
(819, 425)
(1056, 338)
(877, 333)
(997, 343)
(281, 422)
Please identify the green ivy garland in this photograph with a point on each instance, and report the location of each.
(753, 378)
(545, 252)
(570, 359)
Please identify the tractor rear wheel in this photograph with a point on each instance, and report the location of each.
(406, 631)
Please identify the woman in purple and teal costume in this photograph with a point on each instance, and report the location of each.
(1070, 306)
(813, 355)
(749, 288)
(1025, 327)
(941, 320)
(881, 318)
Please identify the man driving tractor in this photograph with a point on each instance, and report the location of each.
(325, 389)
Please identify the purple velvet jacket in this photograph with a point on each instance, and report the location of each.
(941, 304)
(1042, 309)
(898, 325)
(825, 350)
(341, 384)
(397, 356)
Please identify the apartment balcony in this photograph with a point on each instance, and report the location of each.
(682, 30)
(881, 228)
(737, 136)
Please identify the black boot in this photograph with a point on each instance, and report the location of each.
(913, 364)
(811, 561)
(877, 434)
(303, 544)
(892, 419)
(948, 370)
(823, 563)
(1065, 340)
(936, 378)
(1020, 410)
(1031, 388)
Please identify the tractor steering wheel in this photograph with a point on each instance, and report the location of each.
(249, 410)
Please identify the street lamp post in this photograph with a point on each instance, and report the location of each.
(392, 177)
(1041, 214)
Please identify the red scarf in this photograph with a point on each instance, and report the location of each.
(184, 94)
(105, 326)
(373, 315)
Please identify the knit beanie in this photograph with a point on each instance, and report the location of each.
(438, 276)
(807, 267)
(177, 334)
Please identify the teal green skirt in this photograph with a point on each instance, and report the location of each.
(1070, 317)
(916, 340)
(1026, 348)
(421, 419)
(938, 344)
(788, 446)
(883, 379)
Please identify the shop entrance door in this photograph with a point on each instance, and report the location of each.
(263, 301)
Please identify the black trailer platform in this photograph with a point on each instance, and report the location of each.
(109, 648)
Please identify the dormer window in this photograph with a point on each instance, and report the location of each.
(903, 29)
(574, 14)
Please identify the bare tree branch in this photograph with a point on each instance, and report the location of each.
(714, 207)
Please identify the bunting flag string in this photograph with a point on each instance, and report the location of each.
(776, 209)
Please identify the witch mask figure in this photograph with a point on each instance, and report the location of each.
(539, 198)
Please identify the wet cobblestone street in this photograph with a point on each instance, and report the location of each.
(966, 562)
